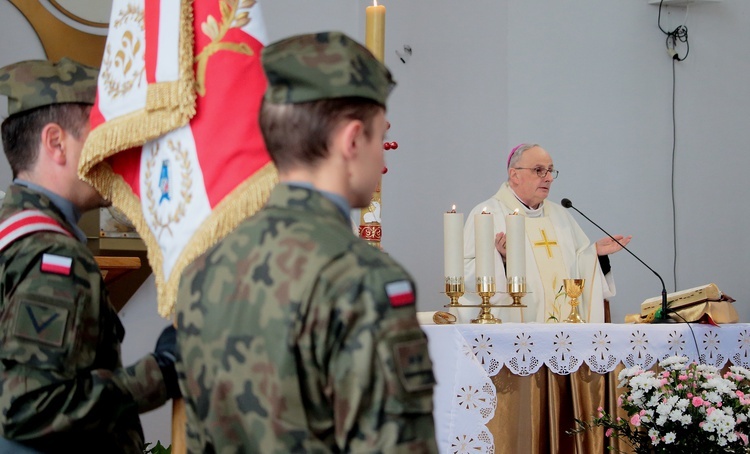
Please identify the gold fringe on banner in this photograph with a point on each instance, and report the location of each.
(246, 199)
(116, 189)
(135, 129)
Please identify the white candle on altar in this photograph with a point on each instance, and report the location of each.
(453, 243)
(515, 245)
(484, 244)
(375, 30)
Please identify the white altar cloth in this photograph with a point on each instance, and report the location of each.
(465, 357)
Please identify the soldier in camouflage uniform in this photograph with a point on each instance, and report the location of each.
(293, 334)
(62, 383)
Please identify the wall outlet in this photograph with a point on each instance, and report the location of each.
(681, 2)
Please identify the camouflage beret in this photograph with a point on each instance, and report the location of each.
(323, 66)
(37, 83)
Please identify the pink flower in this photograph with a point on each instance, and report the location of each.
(683, 377)
(710, 410)
(743, 437)
(697, 401)
(690, 395)
(636, 420)
(610, 431)
(739, 393)
(619, 401)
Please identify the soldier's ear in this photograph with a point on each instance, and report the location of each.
(52, 143)
(350, 138)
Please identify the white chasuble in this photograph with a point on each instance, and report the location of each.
(556, 249)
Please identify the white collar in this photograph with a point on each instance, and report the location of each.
(530, 212)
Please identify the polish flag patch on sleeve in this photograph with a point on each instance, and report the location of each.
(56, 264)
(400, 293)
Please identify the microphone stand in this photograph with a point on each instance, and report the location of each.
(663, 318)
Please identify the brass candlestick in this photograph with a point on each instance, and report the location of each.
(517, 290)
(486, 290)
(573, 289)
(454, 288)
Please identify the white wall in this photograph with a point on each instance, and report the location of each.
(17, 42)
(589, 80)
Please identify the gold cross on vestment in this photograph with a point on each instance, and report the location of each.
(546, 243)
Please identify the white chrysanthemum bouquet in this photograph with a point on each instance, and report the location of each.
(683, 408)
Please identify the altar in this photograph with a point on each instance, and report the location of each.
(516, 388)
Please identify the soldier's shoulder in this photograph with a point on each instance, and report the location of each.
(233, 246)
(375, 258)
(45, 245)
(372, 269)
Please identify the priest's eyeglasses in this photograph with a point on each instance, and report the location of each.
(541, 172)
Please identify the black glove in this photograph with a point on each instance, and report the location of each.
(165, 356)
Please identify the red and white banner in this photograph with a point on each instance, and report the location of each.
(175, 142)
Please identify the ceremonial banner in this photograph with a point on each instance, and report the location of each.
(175, 142)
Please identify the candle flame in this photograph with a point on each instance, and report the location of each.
(374, 2)
(515, 211)
(484, 211)
(453, 207)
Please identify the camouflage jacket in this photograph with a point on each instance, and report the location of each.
(296, 336)
(62, 384)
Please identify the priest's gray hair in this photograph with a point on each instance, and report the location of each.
(517, 152)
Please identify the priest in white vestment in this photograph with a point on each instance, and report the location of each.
(556, 247)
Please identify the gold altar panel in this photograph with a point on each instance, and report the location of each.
(534, 412)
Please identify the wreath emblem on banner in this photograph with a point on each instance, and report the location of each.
(161, 219)
(128, 59)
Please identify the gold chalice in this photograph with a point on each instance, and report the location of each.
(573, 289)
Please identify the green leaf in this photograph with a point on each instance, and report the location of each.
(157, 449)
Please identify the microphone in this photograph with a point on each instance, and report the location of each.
(568, 204)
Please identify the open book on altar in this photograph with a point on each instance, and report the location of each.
(695, 303)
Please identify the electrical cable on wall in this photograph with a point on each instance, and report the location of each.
(679, 34)
(674, 149)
